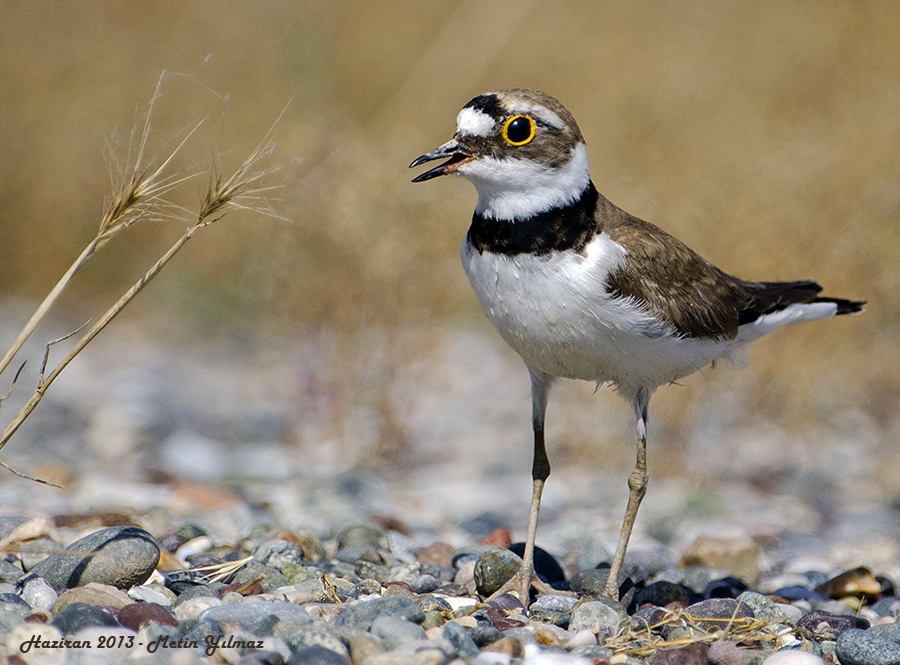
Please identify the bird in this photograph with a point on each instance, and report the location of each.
(581, 289)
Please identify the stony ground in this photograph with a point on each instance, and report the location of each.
(218, 505)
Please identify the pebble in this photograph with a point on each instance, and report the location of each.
(494, 568)
(38, 594)
(463, 644)
(861, 647)
(662, 593)
(76, 616)
(248, 614)
(590, 583)
(317, 636)
(353, 600)
(191, 608)
(736, 556)
(135, 615)
(693, 654)
(822, 625)
(599, 617)
(793, 657)
(394, 631)
(714, 614)
(119, 556)
(363, 613)
(92, 594)
(889, 631)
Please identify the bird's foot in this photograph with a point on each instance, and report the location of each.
(521, 584)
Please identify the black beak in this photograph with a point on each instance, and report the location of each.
(451, 149)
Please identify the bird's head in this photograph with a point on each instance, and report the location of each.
(521, 149)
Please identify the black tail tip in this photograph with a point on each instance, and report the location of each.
(849, 306)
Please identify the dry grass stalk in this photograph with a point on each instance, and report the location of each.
(646, 642)
(138, 195)
(220, 572)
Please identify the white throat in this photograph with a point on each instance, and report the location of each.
(510, 189)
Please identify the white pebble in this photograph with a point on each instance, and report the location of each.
(39, 594)
(145, 594)
(793, 657)
(191, 608)
(582, 638)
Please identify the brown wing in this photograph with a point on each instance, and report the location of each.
(676, 283)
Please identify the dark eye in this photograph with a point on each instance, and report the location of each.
(519, 130)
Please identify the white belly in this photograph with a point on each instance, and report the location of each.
(553, 310)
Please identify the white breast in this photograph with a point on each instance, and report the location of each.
(555, 312)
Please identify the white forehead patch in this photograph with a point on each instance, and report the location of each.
(474, 122)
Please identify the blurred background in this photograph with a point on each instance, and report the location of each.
(336, 348)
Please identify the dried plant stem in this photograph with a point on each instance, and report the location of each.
(95, 330)
(45, 306)
(138, 195)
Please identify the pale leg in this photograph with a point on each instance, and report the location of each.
(525, 578)
(637, 487)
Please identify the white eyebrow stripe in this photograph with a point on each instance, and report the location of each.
(474, 122)
(543, 114)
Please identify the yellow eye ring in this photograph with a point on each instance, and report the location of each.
(519, 130)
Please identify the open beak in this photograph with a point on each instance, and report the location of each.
(457, 157)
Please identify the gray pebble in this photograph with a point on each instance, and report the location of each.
(599, 617)
(249, 614)
(554, 603)
(887, 607)
(395, 632)
(355, 553)
(317, 634)
(641, 565)
(15, 603)
(861, 647)
(271, 577)
(889, 631)
(763, 608)
(10, 618)
(424, 583)
(366, 570)
(318, 655)
(462, 642)
(122, 556)
(590, 583)
(278, 553)
(77, 616)
(362, 613)
(494, 568)
(196, 591)
(719, 611)
(365, 535)
(9, 572)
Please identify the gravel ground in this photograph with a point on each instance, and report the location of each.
(368, 502)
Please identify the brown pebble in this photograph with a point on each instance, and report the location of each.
(92, 593)
(737, 556)
(438, 554)
(168, 562)
(39, 616)
(723, 652)
(693, 654)
(508, 645)
(859, 582)
(137, 614)
(242, 588)
(499, 537)
(398, 589)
